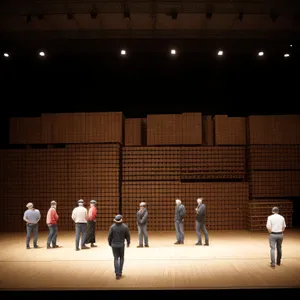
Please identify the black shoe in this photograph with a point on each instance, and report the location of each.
(140, 246)
(118, 277)
(27, 247)
(56, 246)
(146, 246)
(93, 246)
(49, 247)
(206, 244)
(181, 242)
(198, 244)
(177, 243)
(36, 247)
(278, 264)
(77, 249)
(84, 247)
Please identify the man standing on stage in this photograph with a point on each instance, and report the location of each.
(90, 237)
(32, 216)
(141, 220)
(80, 216)
(200, 222)
(276, 226)
(179, 219)
(117, 234)
(52, 218)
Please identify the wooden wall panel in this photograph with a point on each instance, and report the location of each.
(230, 130)
(191, 128)
(279, 129)
(133, 132)
(25, 131)
(164, 130)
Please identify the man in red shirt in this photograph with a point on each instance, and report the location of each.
(52, 218)
(90, 232)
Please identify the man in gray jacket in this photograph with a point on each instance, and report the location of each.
(200, 222)
(118, 232)
(141, 220)
(179, 218)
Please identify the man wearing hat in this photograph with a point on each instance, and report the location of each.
(90, 237)
(32, 216)
(80, 216)
(51, 220)
(117, 234)
(141, 220)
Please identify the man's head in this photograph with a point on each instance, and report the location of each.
(178, 202)
(29, 205)
(118, 219)
(275, 210)
(93, 202)
(199, 200)
(53, 204)
(142, 205)
(80, 202)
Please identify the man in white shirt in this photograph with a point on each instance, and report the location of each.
(80, 217)
(276, 226)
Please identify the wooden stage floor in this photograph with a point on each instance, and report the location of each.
(234, 260)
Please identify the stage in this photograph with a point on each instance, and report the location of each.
(234, 260)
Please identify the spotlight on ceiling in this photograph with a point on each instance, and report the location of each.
(260, 53)
(220, 52)
(286, 55)
(173, 52)
(123, 52)
(6, 55)
(42, 53)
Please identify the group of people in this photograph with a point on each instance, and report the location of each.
(119, 232)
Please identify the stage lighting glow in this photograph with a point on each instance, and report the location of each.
(260, 53)
(220, 52)
(173, 51)
(123, 52)
(286, 55)
(6, 55)
(42, 53)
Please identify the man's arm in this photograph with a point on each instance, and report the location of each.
(25, 218)
(110, 236)
(74, 214)
(127, 236)
(39, 216)
(144, 217)
(182, 211)
(284, 225)
(269, 225)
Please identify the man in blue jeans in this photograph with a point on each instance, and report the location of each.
(51, 221)
(32, 216)
(179, 219)
(80, 217)
(200, 222)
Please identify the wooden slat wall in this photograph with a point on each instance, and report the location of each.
(133, 132)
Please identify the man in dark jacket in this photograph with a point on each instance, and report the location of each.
(179, 218)
(200, 222)
(118, 232)
(141, 220)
